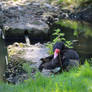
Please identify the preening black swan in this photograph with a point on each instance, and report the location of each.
(63, 57)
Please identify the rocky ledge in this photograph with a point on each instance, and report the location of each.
(22, 54)
(32, 19)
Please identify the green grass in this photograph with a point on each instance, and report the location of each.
(77, 80)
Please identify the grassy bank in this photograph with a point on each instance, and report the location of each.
(77, 80)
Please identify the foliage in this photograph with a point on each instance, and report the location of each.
(58, 36)
(78, 27)
(77, 80)
(74, 3)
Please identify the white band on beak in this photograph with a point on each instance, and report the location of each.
(55, 55)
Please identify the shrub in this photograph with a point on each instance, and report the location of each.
(58, 36)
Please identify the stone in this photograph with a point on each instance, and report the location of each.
(27, 18)
(86, 14)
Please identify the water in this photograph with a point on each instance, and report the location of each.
(80, 33)
(3, 56)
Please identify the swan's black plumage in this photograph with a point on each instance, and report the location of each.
(68, 57)
(59, 45)
(65, 51)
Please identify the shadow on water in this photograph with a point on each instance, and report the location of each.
(26, 38)
(80, 33)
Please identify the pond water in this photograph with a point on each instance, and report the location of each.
(80, 33)
(3, 56)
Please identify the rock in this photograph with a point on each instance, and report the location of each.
(27, 18)
(19, 21)
(85, 14)
(14, 72)
(80, 14)
(32, 54)
(50, 17)
(46, 72)
(16, 44)
(35, 52)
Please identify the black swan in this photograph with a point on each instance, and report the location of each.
(63, 57)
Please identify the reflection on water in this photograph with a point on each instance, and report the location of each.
(80, 31)
(3, 56)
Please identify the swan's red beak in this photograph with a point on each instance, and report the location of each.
(56, 53)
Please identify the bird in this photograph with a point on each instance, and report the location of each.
(68, 56)
(63, 57)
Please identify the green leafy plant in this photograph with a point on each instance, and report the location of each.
(58, 36)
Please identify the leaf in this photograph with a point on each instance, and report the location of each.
(54, 34)
(57, 31)
(61, 34)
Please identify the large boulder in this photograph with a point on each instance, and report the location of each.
(27, 19)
